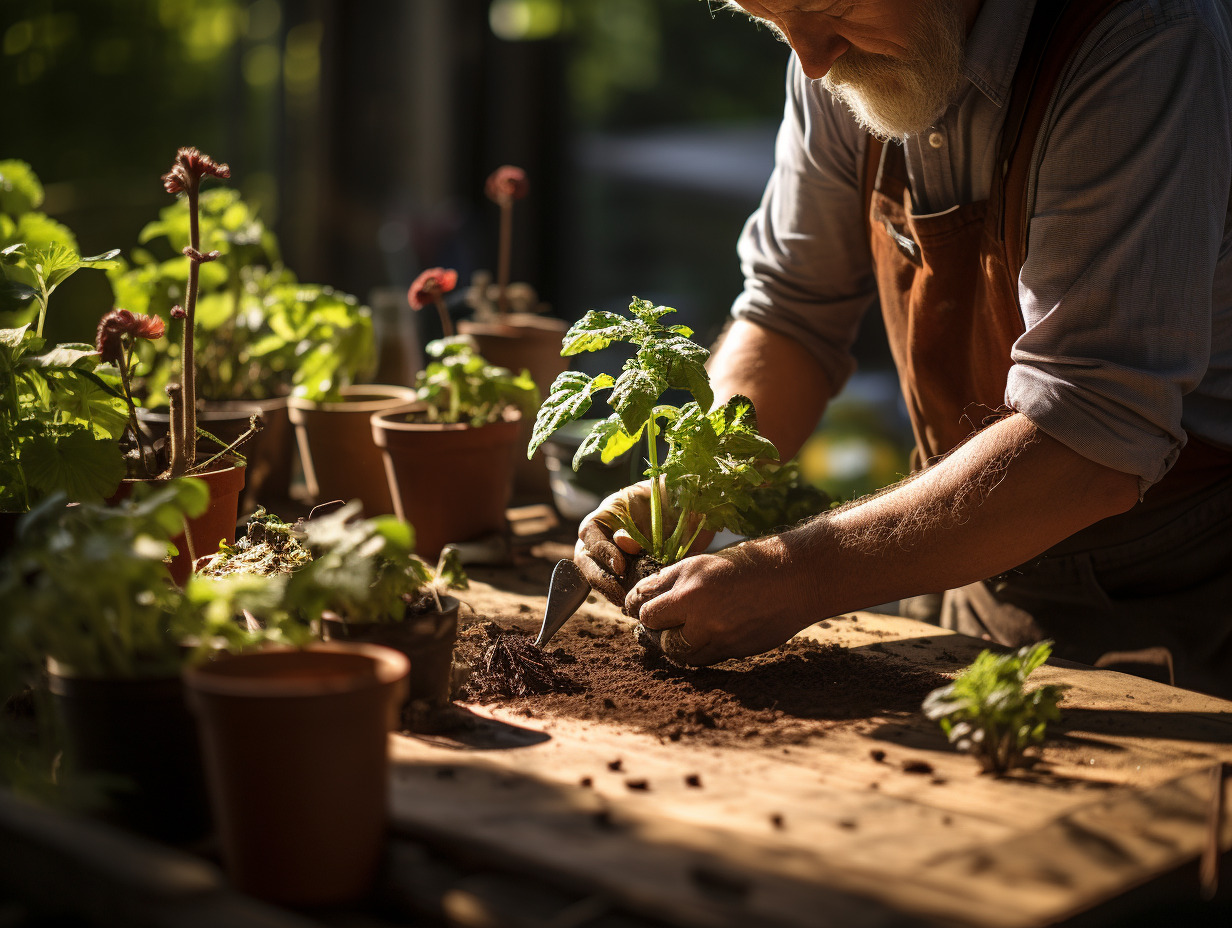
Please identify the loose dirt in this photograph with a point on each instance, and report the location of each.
(595, 669)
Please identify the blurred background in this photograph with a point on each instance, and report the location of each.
(363, 133)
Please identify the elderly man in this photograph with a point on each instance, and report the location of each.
(1038, 194)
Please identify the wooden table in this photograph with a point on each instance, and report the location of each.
(877, 823)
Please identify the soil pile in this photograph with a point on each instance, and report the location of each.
(786, 696)
(513, 665)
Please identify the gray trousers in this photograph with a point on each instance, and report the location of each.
(1158, 603)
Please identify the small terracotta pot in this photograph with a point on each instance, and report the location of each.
(216, 524)
(336, 447)
(268, 474)
(524, 341)
(295, 743)
(451, 482)
(139, 734)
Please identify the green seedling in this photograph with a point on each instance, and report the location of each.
(988, 712)
(716, 459)
(458, 385)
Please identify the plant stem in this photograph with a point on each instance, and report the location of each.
(126, 365)
(188, 354)
(443, 311)
(656, 499)
(44, 297)
(15, 414)
(506, 249)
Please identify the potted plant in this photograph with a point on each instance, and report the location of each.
(509, 323)
(449, 459)
(365, 584)
(261, 333)
(87, 595)
(716, 465)
(313, 720)
(61, 411)
(219, 464)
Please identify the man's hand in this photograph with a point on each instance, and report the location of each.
(735, 603)
(604, 550)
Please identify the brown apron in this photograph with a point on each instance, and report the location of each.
(949, 296)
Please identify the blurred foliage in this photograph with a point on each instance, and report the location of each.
(99, 94)
(645, 63)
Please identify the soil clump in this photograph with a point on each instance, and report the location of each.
(787, 696)
(513, 665)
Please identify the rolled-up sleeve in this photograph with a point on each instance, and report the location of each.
(804, 252)
(1130, 206)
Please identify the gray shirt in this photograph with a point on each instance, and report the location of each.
(1126, 293)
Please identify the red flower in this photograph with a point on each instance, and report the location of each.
(431, 284)
(506, 183)
(120, 322)
(189, 167)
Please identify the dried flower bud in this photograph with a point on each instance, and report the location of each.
(189, 167)
(506, 183)
(430, 284)
(109, 341)
(177, 312)
(200, 258)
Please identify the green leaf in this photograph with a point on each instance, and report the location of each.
(684, 365)
(15, 296)
(635, 394)
(607, 438)
(596, 330)
(570, 398)
(65, 355)
(41, 232)
(20, 190)
(86, 468)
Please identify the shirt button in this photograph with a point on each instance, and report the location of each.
(936, 139)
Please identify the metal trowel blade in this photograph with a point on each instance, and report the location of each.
(567, 590)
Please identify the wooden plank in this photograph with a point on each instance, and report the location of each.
(820, 826)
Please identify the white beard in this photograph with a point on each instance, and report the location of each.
(897, 97)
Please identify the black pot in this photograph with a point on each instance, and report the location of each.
(268, 476)
(428, 642)
(139, 738)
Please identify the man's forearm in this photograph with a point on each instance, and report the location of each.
(1005, 496)
(785, 383)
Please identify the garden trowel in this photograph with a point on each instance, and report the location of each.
(567, 590)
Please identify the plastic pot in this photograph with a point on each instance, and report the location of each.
(295, 743)
(452, 482)
(138, 736)
(524, 341)
(216, 524)
(336, 447)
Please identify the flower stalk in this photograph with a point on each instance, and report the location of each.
(505, 185)
(185, 177)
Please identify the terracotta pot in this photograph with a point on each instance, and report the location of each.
(427, 640)
(451, 482)
(295, 743)
(335, 445)
(524, 341)
(268, 477)
(216, 524)
(139, 735)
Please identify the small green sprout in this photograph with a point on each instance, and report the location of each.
(987, 711)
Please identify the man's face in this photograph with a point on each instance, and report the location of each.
(896, 64)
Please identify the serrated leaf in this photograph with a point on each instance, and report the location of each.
(596, 330)
(86, 468)
(570, 398)
(683, 364)
(607, 438)
(635, 394)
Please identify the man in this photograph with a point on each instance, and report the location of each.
(1048, 233)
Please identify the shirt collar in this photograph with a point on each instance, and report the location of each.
(995, 44)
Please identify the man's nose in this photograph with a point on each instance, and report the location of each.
(815, 43)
